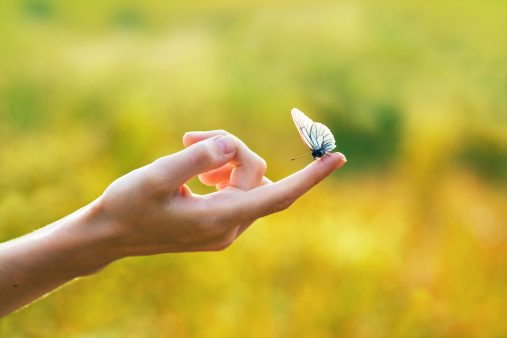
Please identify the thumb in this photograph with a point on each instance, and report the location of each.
(199, 158)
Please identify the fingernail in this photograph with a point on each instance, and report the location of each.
(227, 144)
(342, 161)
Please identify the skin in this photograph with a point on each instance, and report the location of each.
(151, 211)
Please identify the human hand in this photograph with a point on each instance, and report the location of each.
(151, 210)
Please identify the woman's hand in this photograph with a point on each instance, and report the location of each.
(151, 210)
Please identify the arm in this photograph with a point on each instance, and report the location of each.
(152, 211)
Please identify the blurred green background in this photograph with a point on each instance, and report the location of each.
(409, 238)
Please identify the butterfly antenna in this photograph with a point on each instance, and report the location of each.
(295, 158)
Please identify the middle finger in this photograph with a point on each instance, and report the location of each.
(249, 168)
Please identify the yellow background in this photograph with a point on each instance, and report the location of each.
(409, 238)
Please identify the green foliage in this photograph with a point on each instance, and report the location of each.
(407, 239)
(487, 155)
(38, 9)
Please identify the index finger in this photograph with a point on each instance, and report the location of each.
(271, 198)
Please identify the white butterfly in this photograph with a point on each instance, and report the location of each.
(316, 136)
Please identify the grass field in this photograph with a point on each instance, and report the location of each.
(408, 239)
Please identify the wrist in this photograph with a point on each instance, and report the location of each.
(86, 241)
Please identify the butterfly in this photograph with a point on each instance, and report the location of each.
(316, 136)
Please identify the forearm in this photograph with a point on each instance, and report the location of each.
(35, 264)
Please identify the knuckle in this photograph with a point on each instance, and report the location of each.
(159, 163)
(281, 205)
(204, 155)
(261, 166)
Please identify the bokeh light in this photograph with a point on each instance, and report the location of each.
(409, 238)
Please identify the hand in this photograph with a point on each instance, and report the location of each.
(151, 210)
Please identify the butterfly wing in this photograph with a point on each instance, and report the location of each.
(314, 135)
(304, 126)
(324, 137)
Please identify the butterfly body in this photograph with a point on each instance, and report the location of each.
(316, 136)
(318, 153)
